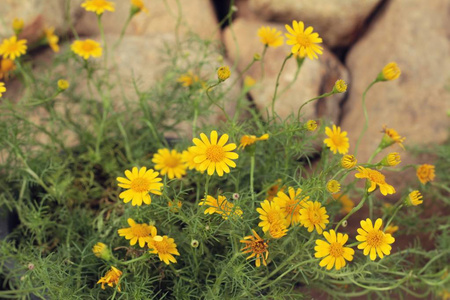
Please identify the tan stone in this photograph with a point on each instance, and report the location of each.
(315, 78)
(197, 16)
(338, 22)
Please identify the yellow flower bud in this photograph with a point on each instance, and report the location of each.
(390, 72)
(63, 84)
(256, 56)
(17, 25)
(249, 82)
(340, 86)
(223, 73)
(391, 160)
(333, 186)
(348, 161)
(414, 198)
(311, 125)
(102, 251)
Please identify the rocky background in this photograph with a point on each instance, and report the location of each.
(360, 37)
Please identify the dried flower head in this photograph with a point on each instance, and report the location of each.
(111, 277)
(258, 248)
(425, 173)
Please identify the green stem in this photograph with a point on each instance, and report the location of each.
(44, 101)
(102, 34)
(354, 209)
(262, 62)
(207, 184)
(215, 102)
(142, 257)
(310, 100)
(299, 66)
(278, 83)
(399, 206)
(378, 150)
(194, 121)
(366, 116)
(122, 33)
(252, 171)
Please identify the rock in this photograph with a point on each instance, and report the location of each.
(315, 78)
(337, 22)
(197, 16)
(415, 104)
(37, 15)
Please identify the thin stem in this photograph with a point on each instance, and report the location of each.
(215, 102)
(252, 171)
(122, 33)
(142, 257)
(378, 150)
(354, 209)
(278, 83)
(102, 33)
(400, 205)
(299, 66)
(366, 116)
(310, 100)
(194, 121)
(262, 62)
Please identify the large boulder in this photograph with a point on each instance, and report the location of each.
(315, 78)
(415, 34)
(338, 22)
(197, 16)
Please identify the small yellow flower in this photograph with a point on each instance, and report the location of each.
(63, 84)
(274, 189)
(137, 6)
(290, 205)
(340, 86)
(334, 251)
(2, 88)
(391, 137)
(248, 140)
(86, 48)
(303, 41)
(188, 158)
(333, 186)
(373, 240)
(213, 155)
(17, 25)
(337, 140)
(278, 229)
(223, 73)
(101, 251)
(138, 232)
(414, 198)
(270, 36)
(139, 183)
(169, 162)
(390, 72)
(375, 178)
(13, 48)
(270, 214)
(111, 277)
(311, 125)
(6, 67)
(391, 229)
(165, 247)
(249, 82)
(347, 203)
(258, 248)
(188, 79)
(221, 206)
(174, 205)
(314, 215)
(98, 6)
(52, 39)
(425, 173)
(348, 161)
(391, 160)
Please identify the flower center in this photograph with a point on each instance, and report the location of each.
(258, 247)
(303, 40)
(376, 177)
(314, 217)
(215, 153)
(13, 47)
(140, 184)
(273, 217)
(88, 47)
(99, 3)
(337, 140)
(336, 250)
(171, 161)
(162, 247)
(140, 230)
(375, 238)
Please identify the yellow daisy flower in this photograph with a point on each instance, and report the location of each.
(348, 161)
(165, 247)
(278, 229)
(274, 189)
(220, 206)
(375, 178)
(333, 186)
(257, 246)
(138, 6)
(290, 205)
(6, 67)
(414, 198)
(334, 252)
(223, 73)
(86, 48)
(391, 229)
(391, 137)
(52, 39)
(270, 36)
(13, 48)
(311, 125)
(2, 88)
(314, 215)
(187, 158)
(347, 203)
(63, 84)
(188, 79)
(98, 6)
(138, 232)
(139, 184)
(337, 140)
(303, 41)
(170, 162)
(374, 241)
(213, 155)
(101, 251)
(111, 277)
(248, 140)
(249, 82)
(391, 71)
(270, 213)
(425, 173)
